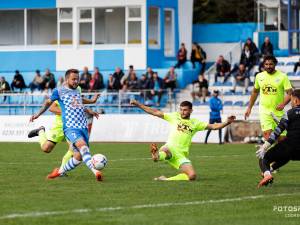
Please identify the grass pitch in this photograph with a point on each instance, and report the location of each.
(224, 193)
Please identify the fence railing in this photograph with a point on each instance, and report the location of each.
(109, 102)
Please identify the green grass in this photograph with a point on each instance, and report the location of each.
(224, 172)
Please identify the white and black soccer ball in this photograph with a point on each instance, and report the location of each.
(99, 161)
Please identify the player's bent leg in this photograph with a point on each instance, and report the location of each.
(267, 134)
(87, 158)
(48, 146)
(188, 169)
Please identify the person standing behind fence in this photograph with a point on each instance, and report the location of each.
(216, 106)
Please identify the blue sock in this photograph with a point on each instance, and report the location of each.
(87, 158)
(70, 165)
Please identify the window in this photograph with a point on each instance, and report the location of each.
(12, 27)
(85, 26)
(154, 27)
(110, 25)
(65, 23)
(134, 25)
(169, 33)
(41, 26)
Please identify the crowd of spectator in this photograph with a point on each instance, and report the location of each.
(150, 84)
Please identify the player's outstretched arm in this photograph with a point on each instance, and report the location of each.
(147, 109)
(92, 100)
(218, 126)
(91, 112)
(44, 108)
(252, 100)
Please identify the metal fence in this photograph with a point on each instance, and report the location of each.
(109, 102)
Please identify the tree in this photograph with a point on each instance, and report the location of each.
(224, 11)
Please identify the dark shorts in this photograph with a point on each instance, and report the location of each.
(283, 151)
(215, 120)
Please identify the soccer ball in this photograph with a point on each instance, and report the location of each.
(99, 161)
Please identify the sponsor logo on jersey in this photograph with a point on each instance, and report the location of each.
(268, 89)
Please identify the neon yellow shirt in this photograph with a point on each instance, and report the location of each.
(182, 131)
(272, 90)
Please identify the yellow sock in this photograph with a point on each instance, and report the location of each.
(66, 157)
(42, 137)
(180, 176)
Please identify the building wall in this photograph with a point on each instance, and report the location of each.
(155, 57)
(75, 55)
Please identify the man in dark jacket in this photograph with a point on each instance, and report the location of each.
(266, 47)
(18, 81)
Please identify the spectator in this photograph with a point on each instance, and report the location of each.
(200, 88)
(156, 86)
(149, 73)
(198, 55)
(223, 68)
(241, 77)
(170, 79)
(266, 47)
(253, 49)
(216, 106)
(96, 83)
(36, 82)
(181, 56)
(110, 83)
(247, 58)
(48, 81)
(60, 82)
(85, 79)
(132, 83)
(143, 85)
(118, 74)
(18, 81)
(4, 87)
(297, 64)
(126, 76)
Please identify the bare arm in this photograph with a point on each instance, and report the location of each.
(286, 100)
(44, 108)
(55, 109)
(91, 112)
(218, 126)
(147, 109)
(253, 98)
(91, 101)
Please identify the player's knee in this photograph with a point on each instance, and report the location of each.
(77, 156)
(192, 176)
(46, 148)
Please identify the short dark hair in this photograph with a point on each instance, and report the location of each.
(186, 103)
(68, 72)
(296, 93)
(270, 57)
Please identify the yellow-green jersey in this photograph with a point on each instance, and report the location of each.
(272, 91)
(182, 131)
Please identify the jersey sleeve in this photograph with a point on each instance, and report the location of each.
(201, 126)
(256, 84)
(169, 117)
(55, 95)
(286, 83)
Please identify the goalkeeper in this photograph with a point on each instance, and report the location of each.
(286, 150)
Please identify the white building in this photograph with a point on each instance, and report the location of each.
(60, 34)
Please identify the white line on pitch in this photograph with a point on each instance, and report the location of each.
(158, 205)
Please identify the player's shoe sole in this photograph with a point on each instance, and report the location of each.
(161, 178)
(99, 176)
(154, 152)
(35, 132)
(54, 174)
(266, 181)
